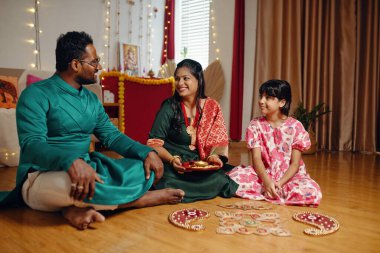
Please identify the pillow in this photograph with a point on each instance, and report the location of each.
(8, 92)
(9, 147)
(30, 79)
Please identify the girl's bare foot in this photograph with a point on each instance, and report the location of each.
(157, 197)
(81, 218)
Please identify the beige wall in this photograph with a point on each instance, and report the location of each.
(58, 17)
(225, 10)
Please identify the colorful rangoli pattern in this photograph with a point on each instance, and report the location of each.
(249, 222)
(325, 224)
(182, 218)
(248, 205)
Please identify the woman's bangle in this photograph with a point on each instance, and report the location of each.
(173, 158)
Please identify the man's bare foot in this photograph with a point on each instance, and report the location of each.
(81, 218)
(157, 197)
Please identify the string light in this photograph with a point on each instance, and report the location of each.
(149, 34)
(107, 31)
(213, 30)
(141, 19)
(130, 4)
(166, 23)
(118, 35)
(37, 32)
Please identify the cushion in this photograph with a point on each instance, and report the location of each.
(8, 92)
(30, 79)
(9, 147)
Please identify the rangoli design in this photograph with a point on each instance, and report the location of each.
(325, 224)
(182, 218)
(249, 222)
(248, 205)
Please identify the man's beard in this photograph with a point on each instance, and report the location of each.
(85, 81)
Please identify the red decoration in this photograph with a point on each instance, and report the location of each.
(182, 218)
(325, 224)
(168, 43)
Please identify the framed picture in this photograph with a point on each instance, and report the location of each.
(130, 58)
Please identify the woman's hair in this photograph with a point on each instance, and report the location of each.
(70, 46)
(196, 70)
(279, 89)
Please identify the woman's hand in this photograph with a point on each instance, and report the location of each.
(177, 165)
(215, 159)
(83, 178)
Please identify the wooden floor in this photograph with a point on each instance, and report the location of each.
(351, 193)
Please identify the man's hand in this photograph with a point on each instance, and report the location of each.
(153, 162)
(83, 178)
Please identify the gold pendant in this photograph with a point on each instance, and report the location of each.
(190, 130)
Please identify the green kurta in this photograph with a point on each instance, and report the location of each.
(55, 122)
(197, 185)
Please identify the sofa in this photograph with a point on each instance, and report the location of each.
(9, 146)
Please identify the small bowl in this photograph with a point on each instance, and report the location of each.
(200, 163)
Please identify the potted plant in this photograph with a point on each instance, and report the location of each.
(308, 120)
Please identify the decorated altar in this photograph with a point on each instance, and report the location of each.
(138, 100)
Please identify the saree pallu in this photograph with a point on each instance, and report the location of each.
(212, 135)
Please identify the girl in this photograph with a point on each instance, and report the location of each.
(276, 141)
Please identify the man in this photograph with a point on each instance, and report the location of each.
(55, 118)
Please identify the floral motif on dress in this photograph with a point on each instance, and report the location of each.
(276, 146)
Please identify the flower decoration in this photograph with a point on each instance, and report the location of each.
(121, 89)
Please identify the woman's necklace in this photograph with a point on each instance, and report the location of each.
(191, 128)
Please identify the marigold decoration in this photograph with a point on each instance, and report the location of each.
(121, 103)
(124, 77)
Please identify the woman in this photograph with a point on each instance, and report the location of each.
(189, 127)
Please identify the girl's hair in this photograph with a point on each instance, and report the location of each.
(196, 70)
(279, 89)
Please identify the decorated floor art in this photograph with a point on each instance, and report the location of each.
(248, 221)
(248, 205)
(185, 218)
(325, 224)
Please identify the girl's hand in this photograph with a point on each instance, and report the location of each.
(215, 159)
(271, 188)
(177, 165)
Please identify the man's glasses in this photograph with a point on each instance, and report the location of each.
(95, 63)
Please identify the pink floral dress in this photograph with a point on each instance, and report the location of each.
(276, 146)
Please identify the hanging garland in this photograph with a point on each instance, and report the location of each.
(124, 77)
